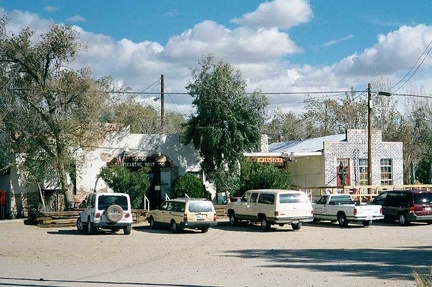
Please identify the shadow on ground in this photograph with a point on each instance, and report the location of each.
(365, 262)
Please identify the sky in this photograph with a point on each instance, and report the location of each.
(285, 48)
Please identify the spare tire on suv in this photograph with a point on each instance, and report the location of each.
(114, 213)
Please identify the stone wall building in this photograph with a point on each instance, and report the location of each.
(342, 160)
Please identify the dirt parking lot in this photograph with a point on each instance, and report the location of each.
(318, 255)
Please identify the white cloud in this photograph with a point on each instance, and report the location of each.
(171, 13)
(282, 14)
(76, 18)
(260, 53)
(334, 42)
(50, 8)
(237, 46)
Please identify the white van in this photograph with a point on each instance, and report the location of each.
(272, 206)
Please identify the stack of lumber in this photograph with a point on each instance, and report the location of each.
(69, 218)
(56, 218)
(220, 211)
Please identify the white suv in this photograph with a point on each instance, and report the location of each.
(106, 210)
(184, 213)
(272, 206)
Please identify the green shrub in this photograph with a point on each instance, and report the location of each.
(190, 185)
(259, 175)
(120, 179)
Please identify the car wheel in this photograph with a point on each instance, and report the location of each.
(342, 220)
(174, 227)
(127, 230)
(367, 222)
(429, 222)
(233, 219)
(91, 229)
(296, 226)
(204, 229)
(80, 225)
(114, 213)
(265, 225)
(403, 220)
(152, 222)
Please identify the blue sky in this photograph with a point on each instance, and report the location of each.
(279, 46)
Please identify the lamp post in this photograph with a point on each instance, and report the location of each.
(370, 106)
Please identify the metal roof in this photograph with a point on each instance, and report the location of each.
(305, 146)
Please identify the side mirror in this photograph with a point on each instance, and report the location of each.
(238, 199)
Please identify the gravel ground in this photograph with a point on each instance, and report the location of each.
(321, 254)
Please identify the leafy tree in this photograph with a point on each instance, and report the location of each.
(188, 185)
(225, 180)
(258, 175)
(326, 116)
(140, 117)
(46, 109)
(120, 179)
(227, 121)
(285, 127)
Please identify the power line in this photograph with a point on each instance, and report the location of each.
(415, 67)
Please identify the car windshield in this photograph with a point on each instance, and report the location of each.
(293, 198)
(423, 198)
(204, 206)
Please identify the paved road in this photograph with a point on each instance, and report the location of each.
(318, 255)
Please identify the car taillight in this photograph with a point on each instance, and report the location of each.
(97, 215)
(214, 217)
(381, 210)
(276, 213)
(355, 211)
(412, 209)
(185, 218)
(127, 215)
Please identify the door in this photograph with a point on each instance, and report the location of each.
(320, 207)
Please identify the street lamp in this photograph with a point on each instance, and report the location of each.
(370, 106)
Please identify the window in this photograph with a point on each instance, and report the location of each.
(267, 198)
(386, 171)
(246, 197)
(292, 198)
(204, 206)
(423, 198)
(253, 197)
(363, 171)
(322, 200)
(179, 206)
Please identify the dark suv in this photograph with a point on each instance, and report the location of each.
(406, 205)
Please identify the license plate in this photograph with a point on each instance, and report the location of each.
(200, 217)
(427, 209)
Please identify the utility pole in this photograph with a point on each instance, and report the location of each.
(369, 136)
(162, 131)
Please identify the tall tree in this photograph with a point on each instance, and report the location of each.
(47, 110)
(332, 116)
(285, 127)
(142, 118)
(227, 121)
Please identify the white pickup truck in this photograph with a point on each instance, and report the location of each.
(342, 208)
